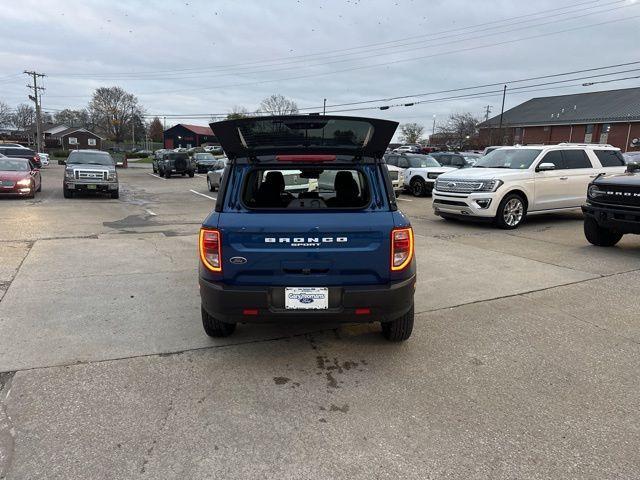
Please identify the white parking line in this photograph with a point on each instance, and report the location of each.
(200, 175)
(149, 212)
(404, 199)
(154, 175)
(203, 195)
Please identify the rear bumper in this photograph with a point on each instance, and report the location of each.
(620, 219)
(385, 303)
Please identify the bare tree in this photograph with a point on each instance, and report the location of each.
(238, 112)
(459, 129)
(24, 117)
(74, 118)
(114, 112)
(155, 130)
(278, 105)
(5, 115)
(411, 132)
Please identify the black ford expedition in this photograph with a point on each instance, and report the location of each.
(613, 207)
(306, 227)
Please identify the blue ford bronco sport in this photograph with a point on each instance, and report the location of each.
(306, 227)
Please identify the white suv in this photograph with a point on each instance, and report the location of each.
(510, 183)
(420, 171)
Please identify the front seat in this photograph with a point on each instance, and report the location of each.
(270, 190)
(347, 191)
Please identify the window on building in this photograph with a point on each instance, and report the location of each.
(588, 133)
(91, 142)
(73, 141)
(604, 133)
(517, 135)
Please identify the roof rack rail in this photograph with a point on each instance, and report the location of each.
(586, 144)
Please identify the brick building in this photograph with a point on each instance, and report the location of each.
(611, 116)
(71, 138)
(187, 136)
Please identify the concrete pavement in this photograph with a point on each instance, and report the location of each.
(523, 363)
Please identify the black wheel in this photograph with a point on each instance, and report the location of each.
(214, 327)
(192, 174)
(115, 194)
(211, 187)
(167, 174)
(183, 174)
(418, 187)
(399, 329)
(67, 193)
(511, 212)
(155, 170)
(597, 235)
(39, 187)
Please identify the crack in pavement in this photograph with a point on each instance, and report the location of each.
(7, 431)
(8, 283)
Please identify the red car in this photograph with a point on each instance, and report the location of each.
(19, 176)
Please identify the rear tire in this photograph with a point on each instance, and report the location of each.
(39, 187)
(192, 174)
(418, 187)
(209, 186)
(597, 235)
(399, 329)
(167, 174)
(214, 327)
(67, 193)
(115, 194)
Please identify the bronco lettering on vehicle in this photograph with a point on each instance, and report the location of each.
(305, 241)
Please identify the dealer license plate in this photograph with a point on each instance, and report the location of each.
(91, 187)
(306, 298)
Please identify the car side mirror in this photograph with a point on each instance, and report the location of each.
(545, 167)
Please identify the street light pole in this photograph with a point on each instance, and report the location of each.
(433, 129)
(324, 107)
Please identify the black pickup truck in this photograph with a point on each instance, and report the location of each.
(613, 207)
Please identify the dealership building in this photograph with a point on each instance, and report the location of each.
(611, 116)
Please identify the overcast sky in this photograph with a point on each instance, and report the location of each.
(188, 57)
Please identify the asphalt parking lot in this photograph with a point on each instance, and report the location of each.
(524, 362)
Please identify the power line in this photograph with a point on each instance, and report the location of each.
(168, 76)
(341, 50)
(466, 49)
(453, 90)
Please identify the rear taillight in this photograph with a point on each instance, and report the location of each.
(210, 246)
(401, 248)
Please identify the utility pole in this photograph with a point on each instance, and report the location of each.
(504, 94)
(487, 112)
(35, 98)
(133, 131)
(324, 106)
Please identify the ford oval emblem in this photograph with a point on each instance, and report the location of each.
(306, 300)
(238, 260)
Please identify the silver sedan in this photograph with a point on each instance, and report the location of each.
(214, 176)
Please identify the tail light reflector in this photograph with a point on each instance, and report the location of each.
(210, 246)
(363, 311)
(250, 311)
(401, 248)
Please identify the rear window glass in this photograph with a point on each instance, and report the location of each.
(176, 156)
(310, 133)
(422, 161)
(313, 188)
(22, 152)
(610, 158)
